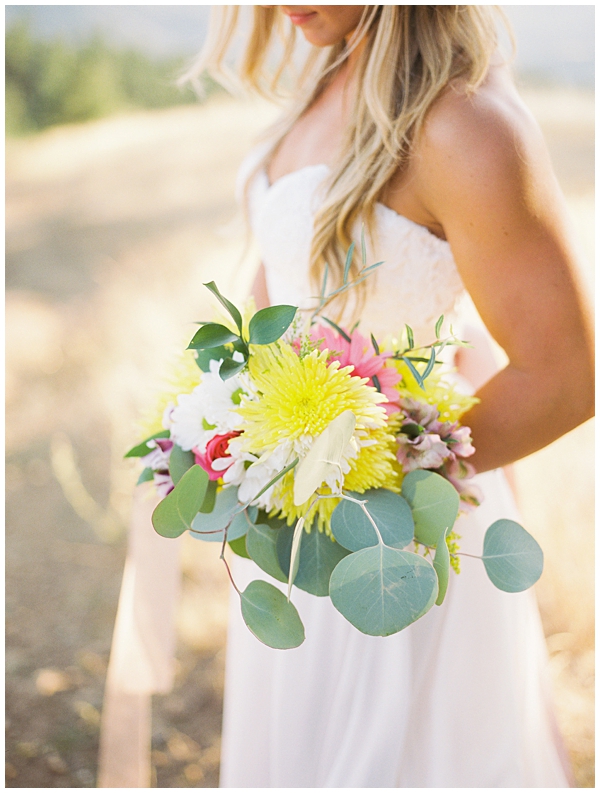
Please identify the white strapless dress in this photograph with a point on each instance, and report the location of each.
(458, 699)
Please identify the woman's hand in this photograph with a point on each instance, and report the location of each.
(482, 173)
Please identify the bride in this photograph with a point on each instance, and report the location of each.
(406, 118)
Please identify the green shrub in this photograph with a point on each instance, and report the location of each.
(51, 82)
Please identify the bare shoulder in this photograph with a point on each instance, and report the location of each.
(474, 141)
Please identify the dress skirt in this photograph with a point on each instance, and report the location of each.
(458, 699)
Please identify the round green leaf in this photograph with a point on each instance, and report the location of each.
(434, 503)
(210, 497)
(319, 555)
(179, 462)
(227, 511)
(382, 590)
(174, 514)
(441, 565)
(513, 559)
(352, 529)
(271, 617)
(269, 324)
(261, 544)
(211, 335)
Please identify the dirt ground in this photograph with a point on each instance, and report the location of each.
(111, 229)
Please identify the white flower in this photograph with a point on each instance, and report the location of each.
(208, 411)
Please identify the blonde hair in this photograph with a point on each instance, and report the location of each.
(411, 54)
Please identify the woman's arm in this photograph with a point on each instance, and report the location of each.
(484, 174)
(259, 289)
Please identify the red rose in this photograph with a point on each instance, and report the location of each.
(216, 449)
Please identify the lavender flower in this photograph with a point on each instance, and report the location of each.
(426, 442)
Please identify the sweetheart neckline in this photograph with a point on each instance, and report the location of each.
(271, 185)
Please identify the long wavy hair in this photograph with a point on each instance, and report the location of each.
(410, 55)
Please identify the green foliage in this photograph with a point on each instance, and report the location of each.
(441, 565)
(209, 499)
(269, 324)
(271, 617)
(513, 559)
(382, 590)
(261, 544)
(142, 449)
(179, 462)
(204, 357)
(227, 304)
(239, 547)
(52, 82)
(175, 513)
(211, 335)
(354, 531)
(229, 368)
(434, 503)
(227, 512)
(147, 475)
(317, 559)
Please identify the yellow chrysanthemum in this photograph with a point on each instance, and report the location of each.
(298, 397)
(182, 379)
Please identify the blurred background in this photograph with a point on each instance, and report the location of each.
(120, 204)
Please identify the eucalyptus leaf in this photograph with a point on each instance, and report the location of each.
(147, 475)
(179, 462)
(441, 565)
(211, 335)
(271, 617)
(239, 547)
(434, 503)
(382, 590)
(209, 499)
(324, 456)
(392, 514)
(375, 345)
(512, 557)
(261, 545)
(142, 449)
(269, 324)
(233, 311)
(318, 557)
(229, 368)
(175, 513)
(210, 527)
(410, 337)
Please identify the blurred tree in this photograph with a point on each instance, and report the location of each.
(50, 82)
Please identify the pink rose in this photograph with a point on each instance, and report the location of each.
(216, 459)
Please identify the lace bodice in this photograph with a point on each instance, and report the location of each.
(417, 282)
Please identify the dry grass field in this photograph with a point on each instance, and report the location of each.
(112, 227)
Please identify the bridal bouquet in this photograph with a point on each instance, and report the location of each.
(334, 461)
